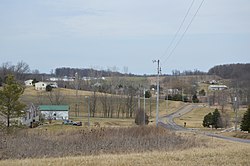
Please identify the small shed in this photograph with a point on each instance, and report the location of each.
(55, 112)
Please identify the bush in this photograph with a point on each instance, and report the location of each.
(139, 118)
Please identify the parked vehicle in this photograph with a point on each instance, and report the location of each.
(67, 122)
(77, 123)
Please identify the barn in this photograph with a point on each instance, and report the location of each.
(55, 112)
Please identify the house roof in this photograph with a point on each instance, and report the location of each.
(53, 107)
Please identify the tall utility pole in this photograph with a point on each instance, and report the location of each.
(87, 97)
(76, 87)
(157, 98)
(236, 107)
(144, 105)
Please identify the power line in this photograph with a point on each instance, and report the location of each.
(177, 32)
(178, 42)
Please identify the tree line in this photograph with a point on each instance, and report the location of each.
(70, 72)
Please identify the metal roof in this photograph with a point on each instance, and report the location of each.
(53, 107)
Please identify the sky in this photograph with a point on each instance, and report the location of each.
(124, 35)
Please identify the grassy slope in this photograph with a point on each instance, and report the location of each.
(217, 153)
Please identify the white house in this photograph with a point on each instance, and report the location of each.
(217, 87)
(28, 82)
(55, 112)
(41, 85)
(31, 116)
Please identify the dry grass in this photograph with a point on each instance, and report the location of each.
(91, 141)
(218, 153)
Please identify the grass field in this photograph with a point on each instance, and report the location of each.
(194, 119)
(216, 153)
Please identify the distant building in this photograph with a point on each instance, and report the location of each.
(41, 85)
(55, 112)
(213, 82)
(28, 82)
(217, 87)
(173, 91)
(31, 115)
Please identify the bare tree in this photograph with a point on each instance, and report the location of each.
(56, 96)
(20, 69)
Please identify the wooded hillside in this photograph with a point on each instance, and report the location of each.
(232, 71)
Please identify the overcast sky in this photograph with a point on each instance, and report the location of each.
(102, 34)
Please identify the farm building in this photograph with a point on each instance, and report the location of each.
(55, 112)
(28, 83)
(217, 87)
(31, 116)
(41, 85)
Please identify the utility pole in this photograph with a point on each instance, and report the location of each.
(167, 102)
(87, 97)
(144, 105)
(157, 98)
(236, 107)
(76, 87)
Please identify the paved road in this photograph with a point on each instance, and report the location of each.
(168, 122)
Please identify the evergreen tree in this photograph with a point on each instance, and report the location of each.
(208, 120)
(245, 123)
(216, 119)
(10, 106)
(213, 119)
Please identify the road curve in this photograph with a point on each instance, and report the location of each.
(168, 122)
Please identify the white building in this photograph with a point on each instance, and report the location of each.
(217, 87)
(54, 112)
(28, 82)
(41, 85)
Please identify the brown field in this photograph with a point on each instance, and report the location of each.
(217, 152)
(69, 141)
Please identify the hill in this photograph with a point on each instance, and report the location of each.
(232, 71)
